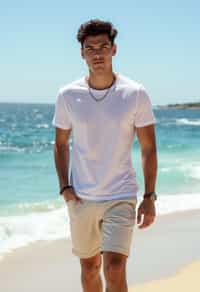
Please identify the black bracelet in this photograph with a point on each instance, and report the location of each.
(65, 187)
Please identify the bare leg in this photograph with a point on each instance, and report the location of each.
(90, 274)
(115, 272)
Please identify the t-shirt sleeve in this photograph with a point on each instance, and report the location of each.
(144, 113)
(61, 117)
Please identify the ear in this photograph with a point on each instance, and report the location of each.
(114, 49)
(82, 54)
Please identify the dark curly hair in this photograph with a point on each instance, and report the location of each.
(95, 27)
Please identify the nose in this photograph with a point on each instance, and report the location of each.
(97, 52)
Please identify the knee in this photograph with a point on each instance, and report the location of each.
(114, 269)
(90, 269)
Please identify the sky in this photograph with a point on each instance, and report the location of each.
(158, 45)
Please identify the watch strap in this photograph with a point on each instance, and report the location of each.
(65, 187)
(150, 195)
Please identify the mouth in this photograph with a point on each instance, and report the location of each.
(98, 62)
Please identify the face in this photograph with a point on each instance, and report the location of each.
(98, 52)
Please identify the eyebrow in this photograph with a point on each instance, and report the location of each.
(102, 44)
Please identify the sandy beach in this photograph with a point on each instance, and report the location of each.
(185, 280)
(164, 257)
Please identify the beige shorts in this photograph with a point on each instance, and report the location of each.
(101, 226)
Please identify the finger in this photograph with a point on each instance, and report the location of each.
(148, 220)
(77, 199)
(139, 217)
(144, 225)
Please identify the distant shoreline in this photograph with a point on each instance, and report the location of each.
(189, 105)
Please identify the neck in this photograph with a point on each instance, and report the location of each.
(101, 81)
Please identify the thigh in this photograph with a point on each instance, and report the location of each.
(117, 227)
(85, 228)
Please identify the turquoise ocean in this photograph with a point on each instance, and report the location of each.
(30, 206)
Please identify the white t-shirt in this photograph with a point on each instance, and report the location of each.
(102, 136)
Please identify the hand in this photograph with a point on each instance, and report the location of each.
(69, 194)
(147, 209)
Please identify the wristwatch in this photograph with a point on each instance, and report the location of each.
(151, 196)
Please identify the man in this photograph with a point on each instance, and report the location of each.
(103, 111)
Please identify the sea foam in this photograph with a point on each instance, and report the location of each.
(22, 229)
(194, 122)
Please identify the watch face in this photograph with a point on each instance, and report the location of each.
(153, 197)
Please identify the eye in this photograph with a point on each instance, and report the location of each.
(88, 49)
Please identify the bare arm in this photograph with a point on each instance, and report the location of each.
(146, 138)
(61, 157)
